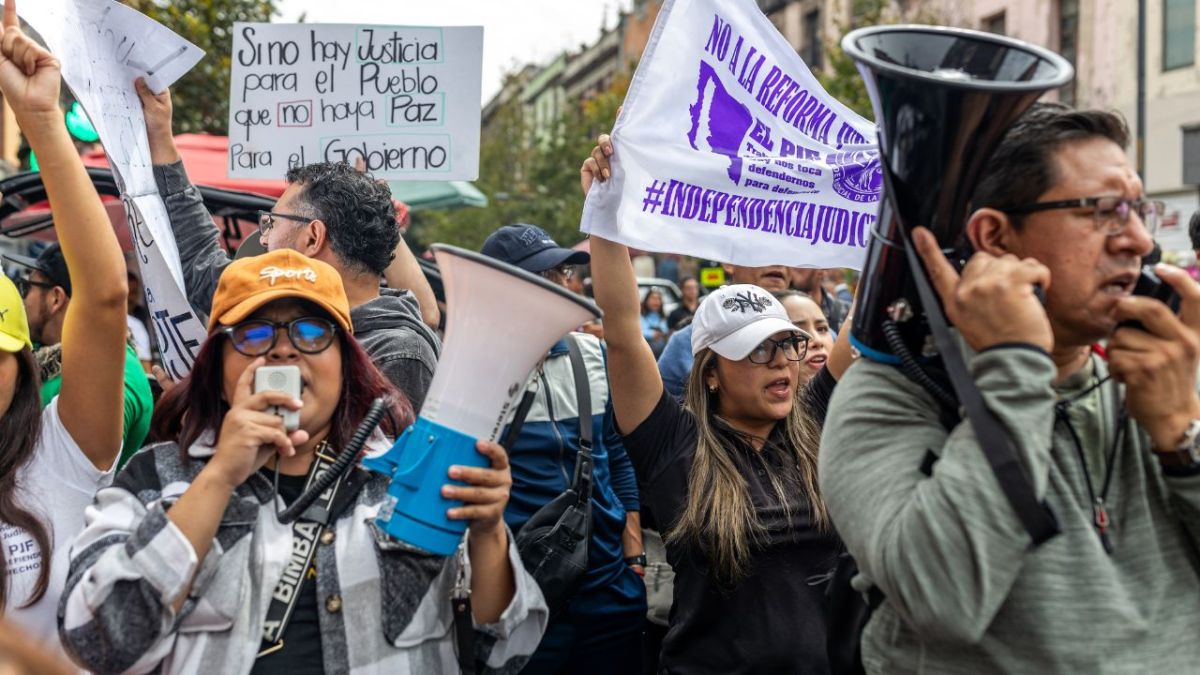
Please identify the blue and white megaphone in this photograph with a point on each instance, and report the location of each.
(500, 321)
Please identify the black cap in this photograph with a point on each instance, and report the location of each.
(530, 248)
(49, 262)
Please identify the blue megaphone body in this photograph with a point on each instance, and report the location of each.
(500, 322)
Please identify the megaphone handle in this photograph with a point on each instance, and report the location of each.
(413, 475)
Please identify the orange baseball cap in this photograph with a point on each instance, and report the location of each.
(250, 283)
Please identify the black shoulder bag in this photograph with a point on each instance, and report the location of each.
(554, 542)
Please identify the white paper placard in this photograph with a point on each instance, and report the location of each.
(403, 99)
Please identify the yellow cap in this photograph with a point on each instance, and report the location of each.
(14, 327)
(250, 283)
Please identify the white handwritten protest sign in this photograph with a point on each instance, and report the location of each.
(727, 148)
(103, 46)
(403, 99)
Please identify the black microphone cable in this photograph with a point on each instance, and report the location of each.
(344, 461)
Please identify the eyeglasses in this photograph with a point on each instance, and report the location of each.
(560, 273)
(1111, 214)
(266, 220)
(795, 348)
(309, 334)
(24, 284)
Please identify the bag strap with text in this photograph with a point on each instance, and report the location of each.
(305, 532)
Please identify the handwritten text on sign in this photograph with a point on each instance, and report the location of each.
(403, 99)
(103, 46)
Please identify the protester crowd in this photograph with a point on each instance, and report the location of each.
(759, 499)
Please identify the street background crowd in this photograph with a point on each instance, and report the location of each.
(737, 458)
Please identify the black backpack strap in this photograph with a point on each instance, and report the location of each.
(1035, 516)
(518, 421)
(582, 483)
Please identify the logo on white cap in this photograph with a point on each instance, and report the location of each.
(273, 274)
(747, 301)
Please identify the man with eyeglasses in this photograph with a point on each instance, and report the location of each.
(600, 629)
(1108, 438)
(330, 212)
(46, 290)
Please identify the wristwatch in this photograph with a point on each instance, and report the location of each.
(636, 560)
(1187, 453)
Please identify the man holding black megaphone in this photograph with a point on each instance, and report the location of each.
(1042, 517)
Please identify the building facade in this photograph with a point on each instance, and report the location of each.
(1099, 37)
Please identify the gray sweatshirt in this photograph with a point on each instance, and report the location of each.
(964, 591)
(388, 327)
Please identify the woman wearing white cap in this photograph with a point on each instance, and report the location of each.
(52, 461)
(731, 475)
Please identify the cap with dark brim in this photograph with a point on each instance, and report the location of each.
(26, 261)
(251, 246)
(548, 259)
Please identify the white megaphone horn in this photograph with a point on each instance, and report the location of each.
(500, 321)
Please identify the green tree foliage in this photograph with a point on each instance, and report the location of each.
(201, 97)
(526, 180)
(842, 79)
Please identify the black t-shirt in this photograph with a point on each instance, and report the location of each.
(301, 653)
(678, 316)
(774, 619)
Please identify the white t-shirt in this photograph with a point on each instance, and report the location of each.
(56, 485)
(141, 337)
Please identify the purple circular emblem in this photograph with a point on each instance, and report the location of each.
(857, 175)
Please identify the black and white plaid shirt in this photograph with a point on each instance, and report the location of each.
(382, 609)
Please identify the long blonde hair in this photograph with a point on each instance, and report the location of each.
(719, 514)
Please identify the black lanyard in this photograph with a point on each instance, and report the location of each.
(1100, 519)
(305, 533)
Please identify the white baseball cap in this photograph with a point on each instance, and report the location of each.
(733, 320)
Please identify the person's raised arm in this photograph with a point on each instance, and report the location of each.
(196, 235)
(405, 272)
(157, 110)
(93, 340)
(632, 372)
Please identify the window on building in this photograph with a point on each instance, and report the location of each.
(995, 24)
(1068, 40)
(1191, 155)
(812, 40)
(1179, 33)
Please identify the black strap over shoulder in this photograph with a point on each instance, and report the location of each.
(1035, 516)
(582, 483)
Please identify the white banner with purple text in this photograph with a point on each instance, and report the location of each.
(729, 149)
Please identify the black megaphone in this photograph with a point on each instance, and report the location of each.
(943, 100)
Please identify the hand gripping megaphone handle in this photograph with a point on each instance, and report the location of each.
(418, 465)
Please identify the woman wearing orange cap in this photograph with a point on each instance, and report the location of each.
(52, 461)
(186, 567)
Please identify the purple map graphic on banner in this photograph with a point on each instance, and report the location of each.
(857, 176)
(724, 118)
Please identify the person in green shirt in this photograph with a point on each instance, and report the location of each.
(47, 292)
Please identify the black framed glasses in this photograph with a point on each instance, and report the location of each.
(309, 335)
(266, 220)
(1111, 214)
(25, 284)
(795, 348)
